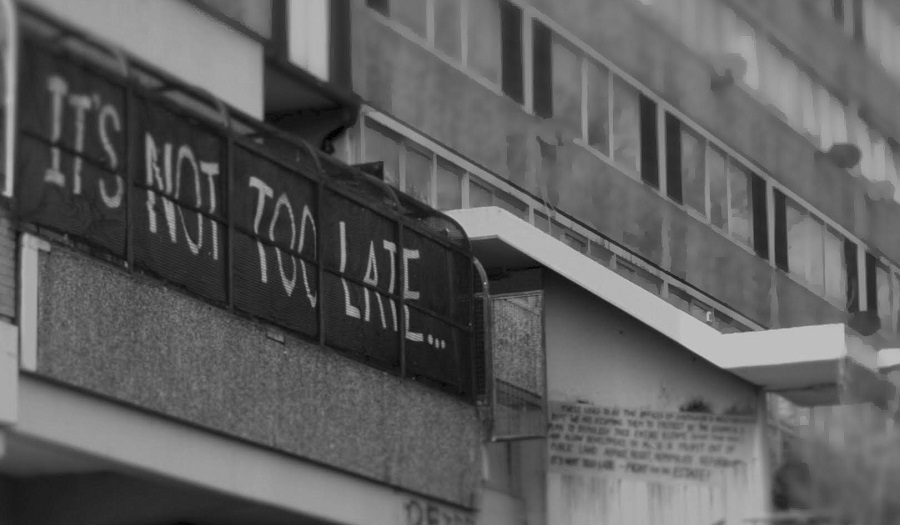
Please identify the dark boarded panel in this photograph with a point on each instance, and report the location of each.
(180, 206)
(275, 240)
(361, 322)
(71, 150)
(144, 344)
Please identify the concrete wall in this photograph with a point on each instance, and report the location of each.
(221, 60)
(133, 339)
(600, 356)
(408, 82)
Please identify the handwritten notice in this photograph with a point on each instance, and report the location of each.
(675, 446)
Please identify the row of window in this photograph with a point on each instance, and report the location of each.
(604, 112)
(428, 177)
(870, 23)
(464, 189)
(882, 36)
(808, 106)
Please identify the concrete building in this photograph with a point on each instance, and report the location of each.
(676, 232)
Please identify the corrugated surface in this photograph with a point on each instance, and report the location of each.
(133, 339)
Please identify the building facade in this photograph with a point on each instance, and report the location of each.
(617, 251)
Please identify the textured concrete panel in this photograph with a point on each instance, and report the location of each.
(134, 339)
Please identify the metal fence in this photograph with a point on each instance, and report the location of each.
(164, 179)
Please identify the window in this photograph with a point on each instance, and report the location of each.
(790, 96)
(479, 196)
(447, 26)
(417, 172)
(511, 204)
(511, 54)
(693, 175)
(566, 66)
(895, 293)
(835, 268)
(718, 187)
(710, 37)
(805, 246)
(598, 91)
(449, 186)
(740, 38)
(808, 114)
(883, 287)
(740, 219)
(626, 131)
(382, 145)
(878, 153)
(484, 38)
(410, 13)
(865, 147)
(768, 70)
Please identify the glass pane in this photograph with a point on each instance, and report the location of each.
(541, 222)
(598, 106)
(835, 272)
(484, 38)
(741, 39)
(769, 71)
(447, 20)
(410, 13)
(418, 175)
(808, 105)
(878, 148)
(805, 250)
(883, 282)
(688, 23)
(823, 110)
(718, 188)
(838, 120)
(693, 177)
(741, 218)
(382, 145)
(512, 205)
(449, 186)
(710, 29)
(895, 292)
(790, 97)
(479, 196)
(626, 125)
(566, 87)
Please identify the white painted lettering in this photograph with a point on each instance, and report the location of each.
(349, 309)
(264, 192)
(186, 155)
(288, 284)
(58, 89)
(81, 103)
(108, 114)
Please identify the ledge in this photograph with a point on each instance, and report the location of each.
(811, 365)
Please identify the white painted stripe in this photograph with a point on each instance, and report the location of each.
(29, 246)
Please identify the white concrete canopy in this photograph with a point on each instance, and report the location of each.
(804, 364)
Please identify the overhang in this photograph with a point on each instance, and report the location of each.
(813, 365)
